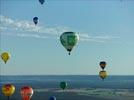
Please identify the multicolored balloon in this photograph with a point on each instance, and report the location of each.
(8, 90)
(35, 20)
(69, 40)
(26, 92)
(5, 56)
(63, 85)
(103, 74)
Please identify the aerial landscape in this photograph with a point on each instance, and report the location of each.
(66, 50)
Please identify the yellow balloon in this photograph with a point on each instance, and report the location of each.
(8, 89)
(5, 56)
(103, 74)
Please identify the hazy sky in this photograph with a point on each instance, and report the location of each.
(106, 30)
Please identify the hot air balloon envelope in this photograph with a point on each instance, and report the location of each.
(26, 92)
(69, 40)
(52, 98)
(5, 56)
(35, 20)
(103, 64)
(63, 85)
(103, 74)
(8, 89)
(42, 1)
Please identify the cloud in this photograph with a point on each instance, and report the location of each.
(17, 25)
(22, 28)
(26, 35)
(32, 35)
(29, 26)
(100, 39)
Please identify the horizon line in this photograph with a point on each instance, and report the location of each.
(67, 75)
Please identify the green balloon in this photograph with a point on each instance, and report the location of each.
(63, 85)
(69, 40)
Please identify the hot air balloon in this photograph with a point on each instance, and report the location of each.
(8, 90)
(69, 40)
(52, 98)
(5, 56)
(26, 92)
(63, 85)
(103, 74)
(103, 64)
(35, 20)
(41, 1)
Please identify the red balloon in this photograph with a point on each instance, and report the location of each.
(26, 92)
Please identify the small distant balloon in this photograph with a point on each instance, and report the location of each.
(52, 98)
(8, 90)
(41, 2)
(26, 92)
(69, 40)
(63, 85)
(103, 74)
(103, 64)
(35, 20)
(5, 56)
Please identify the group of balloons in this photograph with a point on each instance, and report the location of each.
(69, 40)
(9, 89)
(26, 91)
(35, 19)
(103, 73)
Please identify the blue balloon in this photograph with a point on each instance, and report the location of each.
(42, 1)
(35, 20)
(52, 98)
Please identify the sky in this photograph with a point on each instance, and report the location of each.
(105, 28)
